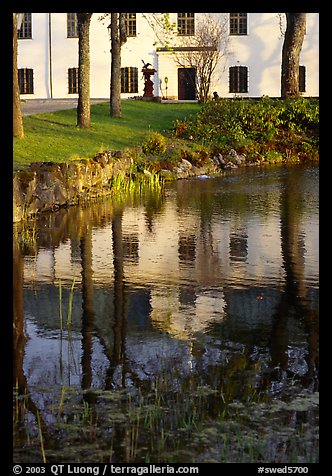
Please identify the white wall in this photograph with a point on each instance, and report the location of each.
(33, 53)
(259, 50)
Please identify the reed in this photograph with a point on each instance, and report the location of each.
(60, 306)
(70, 304)
(41, 439)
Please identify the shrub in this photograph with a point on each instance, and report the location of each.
(271, 123)
(155, 144)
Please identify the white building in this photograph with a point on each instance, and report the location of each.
(48, 56)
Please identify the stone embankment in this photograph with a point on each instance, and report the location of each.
(47, 186)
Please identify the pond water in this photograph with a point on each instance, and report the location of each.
(175, 325)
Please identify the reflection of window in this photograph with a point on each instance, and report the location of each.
(238, 79)
(25, 80)
(26, 28)
(302, 85)
(72, 31)
(130, 244)
(73, 81)
(238, 246)
(186, 24)
(130, 22)
(238, 23)
(129, 80)
(187, 248)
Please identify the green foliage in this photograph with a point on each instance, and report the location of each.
(274, 124)
(154, 144)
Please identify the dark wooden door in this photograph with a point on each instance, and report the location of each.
(186, 83)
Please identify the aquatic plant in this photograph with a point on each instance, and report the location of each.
(41, 439)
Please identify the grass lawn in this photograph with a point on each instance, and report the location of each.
(54, 137)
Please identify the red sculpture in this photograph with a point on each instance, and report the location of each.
(148, 84)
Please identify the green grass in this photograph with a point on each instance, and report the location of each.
(54, 136)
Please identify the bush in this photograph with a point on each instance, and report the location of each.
(238, 123)
(155, 144)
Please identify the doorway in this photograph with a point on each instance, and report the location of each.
(187, 83)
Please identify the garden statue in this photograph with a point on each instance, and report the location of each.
(148, 84)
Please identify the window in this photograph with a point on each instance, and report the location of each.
(130, 22)
(238, 79)
(72, 31)
(302, 85)
(25, 80)
(238, 23)
(26, 28)
(129, 80)
(73, 81)
(186, 24)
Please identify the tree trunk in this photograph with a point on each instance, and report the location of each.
(17, 114)
(83, 106)
(294, 35)
(118, 38)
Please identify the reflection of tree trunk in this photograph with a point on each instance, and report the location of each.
(292, 262)
(19, 340)
(88, 311)
(120, 305)
(293, 300)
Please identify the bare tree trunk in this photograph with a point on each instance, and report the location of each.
(294, 35)
(118, 38)
(17, 113)
(83, 106)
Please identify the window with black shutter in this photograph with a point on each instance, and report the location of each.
(25, 80)
(302, 82)
(73, 81)
(238, 79)
(129, 80)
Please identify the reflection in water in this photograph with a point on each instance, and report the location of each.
(213, 283)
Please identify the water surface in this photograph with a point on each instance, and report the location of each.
(205, 293)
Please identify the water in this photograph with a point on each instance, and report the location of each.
(169, 317)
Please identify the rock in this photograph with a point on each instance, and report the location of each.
(235, 158)
(167, 174)
(180, 173)
(185, 164)
(219, 161)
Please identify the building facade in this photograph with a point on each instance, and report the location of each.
(249, 62)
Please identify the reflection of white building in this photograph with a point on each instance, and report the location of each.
(185, 279)
(48, 56)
